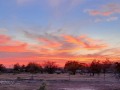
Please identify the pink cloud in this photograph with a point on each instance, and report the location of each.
(9, 48)
(7, 44)
(101, 13)
(50, 43)
(105, 10)
(4, 39)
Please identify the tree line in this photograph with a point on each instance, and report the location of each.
(72, 67)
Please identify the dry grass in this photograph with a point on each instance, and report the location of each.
(58, 82)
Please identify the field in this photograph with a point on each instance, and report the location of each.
(58, 82)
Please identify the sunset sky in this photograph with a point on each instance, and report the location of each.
(59, 30)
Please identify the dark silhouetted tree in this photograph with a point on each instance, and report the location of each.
(117, 67)
(72, 66)
(33, 68)
(105, 66)
(23, 68)
(16, 68)
(50, 67)
(2, 68)
(95, 67)
(117, 70)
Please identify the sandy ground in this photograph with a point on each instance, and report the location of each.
(58, 82)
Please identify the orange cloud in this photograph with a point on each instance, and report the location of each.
(73, 40)
(85, 42)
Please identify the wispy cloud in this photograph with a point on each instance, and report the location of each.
(99, 13)
(59, 3)
(112, 19)
(57, 7)
(67, 44)
(60, 7)
(2, 30)
(85, 42)
(7, 44)
(105, 10)
(105, 13)
(53, 3)
(109, 19)
(20, 2)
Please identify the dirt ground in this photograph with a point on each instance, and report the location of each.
(58, 82)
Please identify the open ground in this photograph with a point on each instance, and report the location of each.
(58, 82)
